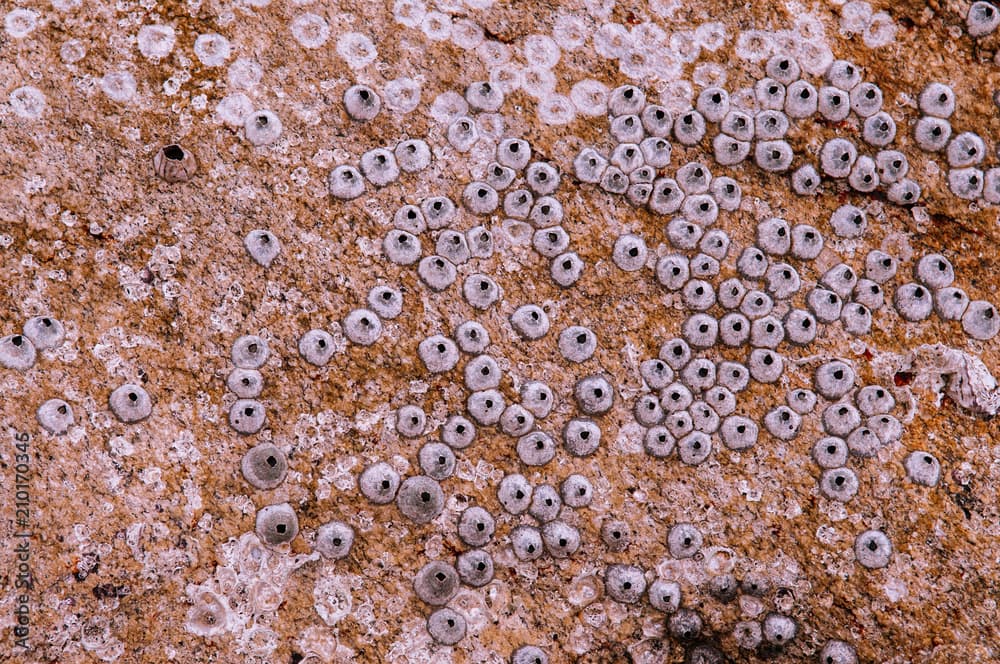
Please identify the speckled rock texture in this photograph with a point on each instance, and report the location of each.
(141, 538)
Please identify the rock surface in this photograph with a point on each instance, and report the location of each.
(141, 535)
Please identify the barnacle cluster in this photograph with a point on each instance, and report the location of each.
(449, 331)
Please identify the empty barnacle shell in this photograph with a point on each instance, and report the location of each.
(172, 163)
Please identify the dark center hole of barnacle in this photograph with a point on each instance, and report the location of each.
(531, 548)
(936, 131)
(425, 496)
(321, 343)
(805, 93)
(437, 205)
(385, 484)
(629, 153)
(281, 528)
(411, 148)
(676, 396)
(534, 315)
(785, 416)
(337, 541)
(252, 348)
(741, 428)
(173, 152)
(740, 123)
(441, 348)
(942, 98)
(380, 158)
(133, 397)
(867, 178)
(489, 403)
(659, 115)
(775, 154)
(598, 393)
(703, 328)
(628, 93)
(974, 180)
(365, 321)
(248, 412)
(271, 461)
(567, 264)
(716, 98)
(704, 207)
(872, 545)
(835, 100)
(261, 121)
(870, 94)
(918, 292)
(364, 94)
(482, 193)
(773, 90)
(485, 371)
(688, 119)
(737, 326)
(404, 240)
(546, 209)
